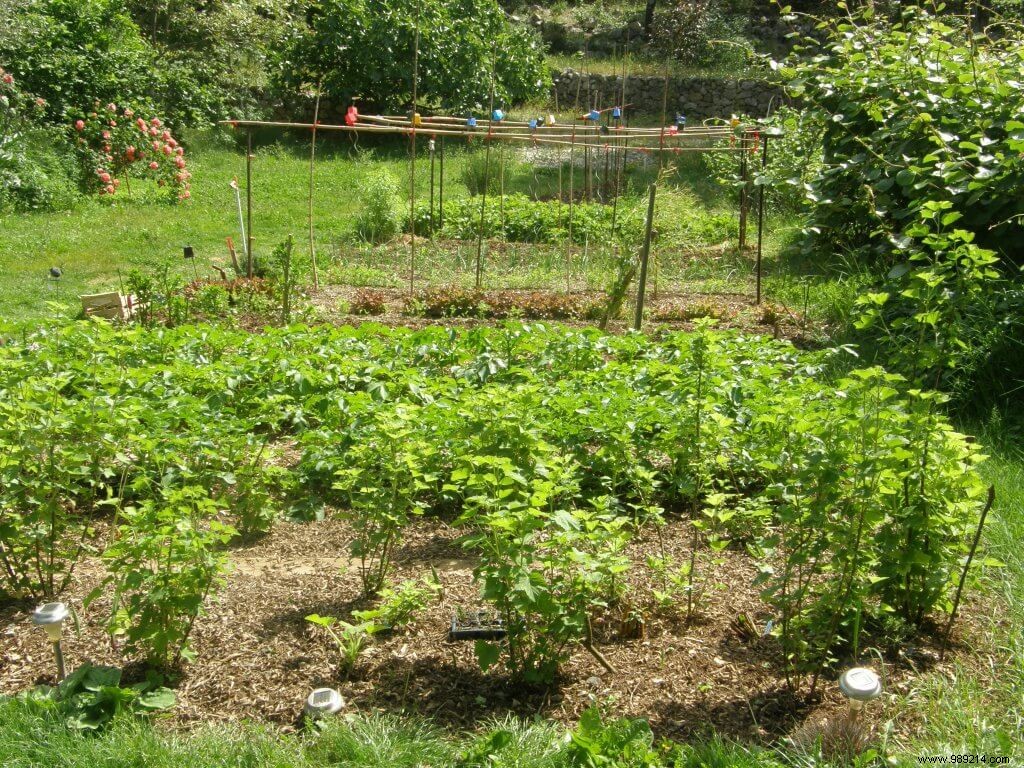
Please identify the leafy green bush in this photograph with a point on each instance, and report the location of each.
(921, 178)
(36, 169)
(92, 697)
(378, 218)
(165, 563)
(361, 50)
(701, 32)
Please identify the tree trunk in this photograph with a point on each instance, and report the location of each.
(649, 18)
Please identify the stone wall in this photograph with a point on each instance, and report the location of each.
(696, 97)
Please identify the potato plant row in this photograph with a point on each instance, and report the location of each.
(551, 447)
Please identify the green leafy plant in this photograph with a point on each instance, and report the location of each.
(92, 697)
(378, 218)
(545, 565)
(351, 639)
(399, 605)
(456, 44)
(384, 474)
(164, 564)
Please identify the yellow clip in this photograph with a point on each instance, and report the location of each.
(735, 122)
(416, 119)
(550, 120)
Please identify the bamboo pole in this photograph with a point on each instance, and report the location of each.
(412, 163)
(440, 186)
(312, 161)
(248, 201)
(483, 195)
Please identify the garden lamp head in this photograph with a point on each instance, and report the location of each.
(497, 115)
(323, 701)
(471, 122)
(50, 617)
(860, 685)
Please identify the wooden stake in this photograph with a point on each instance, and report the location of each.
(638, 318)
(967, 565)
(760, 214)
(312, 161)
(440, 186)
(248, 201)
(487, 180)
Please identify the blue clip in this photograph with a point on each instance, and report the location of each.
(533, 123)
(594, 115)
(681, 120)
(471, 122)
(497, 115)
(616, 113)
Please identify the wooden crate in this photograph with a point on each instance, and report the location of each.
(113, 306)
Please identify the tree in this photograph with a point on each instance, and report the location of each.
(363, 50)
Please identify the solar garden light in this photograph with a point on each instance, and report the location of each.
(50, 617)
(323, 701)
(859, 685)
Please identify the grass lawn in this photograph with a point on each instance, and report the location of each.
(98, 242)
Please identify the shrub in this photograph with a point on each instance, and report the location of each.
(361, 49)
(701, 32)
(378, 218)
(163, 566)
(544, 564)
(114, 144)
(36, 170)
(928, 198)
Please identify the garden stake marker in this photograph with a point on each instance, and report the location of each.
(487, 180)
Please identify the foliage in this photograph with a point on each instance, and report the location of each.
(701, 32)
(551, 445)
(360, 50)
(464, 302)
(545, 565)
(378, 219)
(35, 170)
(92, 697)
(367, 301)
(518, 218)
(74, 52)
(487, 169)
(163, 566)
(351, 639)
(922, 141)
(623, 742)
(380, 484)
(113, 147)
(794, 159)
(399, 605)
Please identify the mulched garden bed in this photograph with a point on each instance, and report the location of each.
(258, 658)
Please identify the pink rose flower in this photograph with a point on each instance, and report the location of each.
(8, 78)
(110, 189)
(105, 177)
(154, 165)
(155, 122)
(180, 162)
(79, 125)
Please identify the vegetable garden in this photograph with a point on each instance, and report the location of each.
(604, 497)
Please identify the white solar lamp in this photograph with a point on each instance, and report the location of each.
(859, 685)
(323, 701)
(50, 617)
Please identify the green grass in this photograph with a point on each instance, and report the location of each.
(100, 240)
(32, 736)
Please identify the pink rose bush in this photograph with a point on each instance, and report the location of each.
(117, 144)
